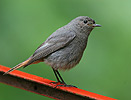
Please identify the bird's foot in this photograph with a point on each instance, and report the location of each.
(57, 83)
(65, 85)
(62, 84)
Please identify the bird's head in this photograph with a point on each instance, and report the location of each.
(84, 24)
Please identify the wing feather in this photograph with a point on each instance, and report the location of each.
(52, 44)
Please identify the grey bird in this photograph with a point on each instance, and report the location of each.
(64, 48)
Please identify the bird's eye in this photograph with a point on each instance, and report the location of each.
(85, 21)
(93, 22)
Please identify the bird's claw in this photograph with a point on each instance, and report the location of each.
(65, 85)
(62, 84)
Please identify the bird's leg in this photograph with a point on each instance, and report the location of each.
(56, 75)
(62, 81)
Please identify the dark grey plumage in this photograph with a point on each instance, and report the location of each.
(64, 48)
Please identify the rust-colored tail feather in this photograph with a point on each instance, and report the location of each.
(17, 66)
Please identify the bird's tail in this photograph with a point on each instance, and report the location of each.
(25, 63)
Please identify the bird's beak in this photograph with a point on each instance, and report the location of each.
(96, 25)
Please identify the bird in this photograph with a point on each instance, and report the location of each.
(64, 48)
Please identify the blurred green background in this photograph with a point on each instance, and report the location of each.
(105, 67)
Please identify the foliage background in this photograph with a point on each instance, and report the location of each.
(105, 67)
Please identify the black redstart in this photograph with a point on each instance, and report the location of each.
(64, 48)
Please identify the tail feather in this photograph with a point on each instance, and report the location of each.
(17, 66)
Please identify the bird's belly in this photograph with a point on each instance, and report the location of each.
(64, 58)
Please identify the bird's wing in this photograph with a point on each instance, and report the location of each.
(52, 44)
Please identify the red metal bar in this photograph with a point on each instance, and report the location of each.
(44, 87)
